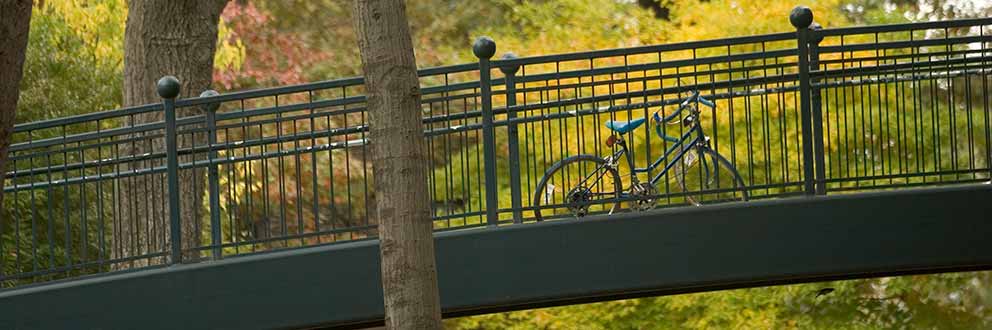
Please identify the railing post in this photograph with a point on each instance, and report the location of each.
(512, 139)
(801, 17)
(484, 48)
(815, 37)
(210, 110)
(168, 89)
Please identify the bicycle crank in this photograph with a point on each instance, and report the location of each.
(645, 196)
(578, 201)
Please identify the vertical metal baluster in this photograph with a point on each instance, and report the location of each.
(347, 169)
(65, 201)
(815, 37)
(968, 120)
(869, 138)
(903, 107)
(915, 88)
(449, 163)
(562, 123)
(985, 104)
(283, 230)
(730, 119)
(479, 152)
(115, 225)
(365, 168)
(299, 184)
(247, 219)
(529, 148)
(783, 137)
(885, 112)
(437, 201)
(313, 168)
(748, 124)
(330, 165)
(951, 117)
(34, 214)
(151, 223)
(194, 244)
(51, 212)
(84, 236)
(232, 197)
(850, 130)
(12, 198)
(766, 124)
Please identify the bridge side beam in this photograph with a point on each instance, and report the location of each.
(550, 263)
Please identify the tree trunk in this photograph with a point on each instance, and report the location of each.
(409, 276)
(15, 21)
(163, 37)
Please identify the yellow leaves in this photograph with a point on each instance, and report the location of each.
(230, 49)
(538, 28)
(567, 26)
(99, 23)
(701, 20)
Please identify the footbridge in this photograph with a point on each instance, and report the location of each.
(863, 152)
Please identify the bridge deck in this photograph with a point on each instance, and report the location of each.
(550, 263)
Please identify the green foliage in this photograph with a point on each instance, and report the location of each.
(71, 69)
(548, 27)
(933, 301)
(73, 66)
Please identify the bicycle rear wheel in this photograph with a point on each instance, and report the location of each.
(577, 186)
(706, 178)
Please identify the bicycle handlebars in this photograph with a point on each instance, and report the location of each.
(695, 97)
(706, 102)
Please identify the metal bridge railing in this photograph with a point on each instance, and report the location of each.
(816, 111)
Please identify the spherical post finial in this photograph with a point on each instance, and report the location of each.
(168, 87)
(484, 47)
(509, 70)
(801, 17)
(816, 37)
(210, 106)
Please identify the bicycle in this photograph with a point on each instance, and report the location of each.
(587, 187)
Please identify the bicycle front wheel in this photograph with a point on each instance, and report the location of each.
(706, 178)
(577, 186)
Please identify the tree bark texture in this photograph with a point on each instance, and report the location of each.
(15, 21)
(163, 37)
(409, 275)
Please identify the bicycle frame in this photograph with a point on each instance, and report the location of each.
(684, 145)
(693, 140)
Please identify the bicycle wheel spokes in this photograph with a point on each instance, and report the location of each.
(706, 177)
(577, 186)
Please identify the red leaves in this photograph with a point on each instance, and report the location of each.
(272, 57)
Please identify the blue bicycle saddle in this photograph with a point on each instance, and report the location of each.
(624, 127)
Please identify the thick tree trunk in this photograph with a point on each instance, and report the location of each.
(15, 21)
(163, 37)
(409, 276)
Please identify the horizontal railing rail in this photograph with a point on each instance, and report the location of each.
(804, 113)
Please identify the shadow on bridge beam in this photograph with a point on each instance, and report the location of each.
(551, 263)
